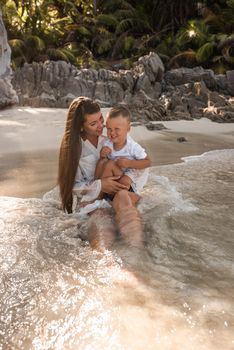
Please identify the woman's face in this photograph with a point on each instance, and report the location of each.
(93, 124)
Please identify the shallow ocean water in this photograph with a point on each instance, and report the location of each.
(177, 293)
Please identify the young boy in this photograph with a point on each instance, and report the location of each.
(121, 155)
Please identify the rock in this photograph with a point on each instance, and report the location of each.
(221, 117)
(152, 126)
(143, 108)
(217, 100)
(136, 124)
(221, 80)
(184, 75)
(182, 139)
(230, 82)
(152, 90)
(8, 95)
(153, 66)
(56, 82)
(148, 92)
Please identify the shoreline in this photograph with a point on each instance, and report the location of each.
(32, 173)
(30, 139)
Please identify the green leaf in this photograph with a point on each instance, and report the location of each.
(57, 54)
(83, 30)
(107, 20)
(230, 3)
(17, 45)
(34, 42)
(205, 52)
(128, 44)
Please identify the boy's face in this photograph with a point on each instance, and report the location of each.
(117, 129)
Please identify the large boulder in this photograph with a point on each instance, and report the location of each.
(7, 93)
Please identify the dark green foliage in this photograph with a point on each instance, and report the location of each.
(104, 32)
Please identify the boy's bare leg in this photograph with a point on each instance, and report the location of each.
(111, 169)
(100, 166)
(106, 168)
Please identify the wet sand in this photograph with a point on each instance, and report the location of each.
(30, 138)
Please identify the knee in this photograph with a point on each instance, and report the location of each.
(109, 164)
(121, 200)
(102, 161)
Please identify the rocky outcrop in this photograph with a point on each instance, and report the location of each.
(56, 84)
(221, 83)
(196, 93)
(149, 92)
(7, 94)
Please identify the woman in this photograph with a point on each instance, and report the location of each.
(79, 152)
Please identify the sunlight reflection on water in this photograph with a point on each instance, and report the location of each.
(56, 293)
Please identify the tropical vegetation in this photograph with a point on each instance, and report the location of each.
(115, 33)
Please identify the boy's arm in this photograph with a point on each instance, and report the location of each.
(134, 164)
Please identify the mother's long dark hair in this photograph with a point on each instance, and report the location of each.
(70, 149)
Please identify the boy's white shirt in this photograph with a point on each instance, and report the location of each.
(131, 150)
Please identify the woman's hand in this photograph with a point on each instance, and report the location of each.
(111, 185)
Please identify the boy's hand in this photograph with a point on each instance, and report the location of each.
(123, 162)
(105, 151)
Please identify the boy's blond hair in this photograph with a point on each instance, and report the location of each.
(118, 111)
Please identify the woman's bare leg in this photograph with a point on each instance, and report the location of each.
(128, 219)
(101, 230)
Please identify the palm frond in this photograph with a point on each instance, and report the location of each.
(57, 54)
(125, 13)
(228, 53)
(185, 58)
(83, 31)
(205, 52)
(230, 3)
(104, 46)
(17, 45)
(108, 20)
(124, 25)
(33, 41)
(111, 6)
(128, 44)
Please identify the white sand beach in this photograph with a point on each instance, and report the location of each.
(30, 139)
